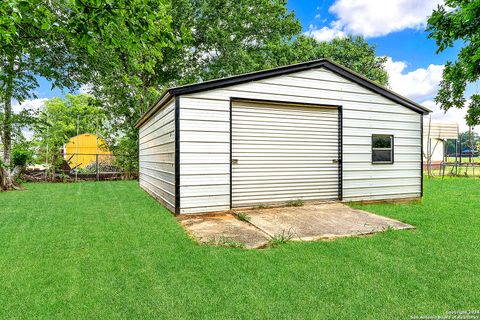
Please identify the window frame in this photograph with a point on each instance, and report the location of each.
(391, 149)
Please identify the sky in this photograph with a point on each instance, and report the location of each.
(395, 27)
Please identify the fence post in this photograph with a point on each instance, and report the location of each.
(97, 169)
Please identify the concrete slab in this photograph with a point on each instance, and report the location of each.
(224, 230)
(306, 223)
(320, 221)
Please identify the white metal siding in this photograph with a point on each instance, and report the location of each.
(157, 155)
(205, 134)
(284, 153)
(204, 155)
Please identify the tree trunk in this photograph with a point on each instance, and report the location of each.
(7, 117)
(8, 173)
(7, 178)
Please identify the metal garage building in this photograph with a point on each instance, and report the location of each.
(311, 131)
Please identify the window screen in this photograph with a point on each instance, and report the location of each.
(382, 148)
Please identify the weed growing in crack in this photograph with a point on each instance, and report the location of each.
(280, 238)
(295, 203)
(225, 242)
(242, 216)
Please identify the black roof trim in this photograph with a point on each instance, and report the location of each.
(248, 77)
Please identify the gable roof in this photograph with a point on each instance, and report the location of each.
(253, 76)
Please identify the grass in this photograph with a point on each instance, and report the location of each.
(107, 250)
(242, 216)
(280, 238)
(225, 242)
(464, 159)
(295, 203)
(464, 171)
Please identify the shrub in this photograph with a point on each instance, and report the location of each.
(21, 156)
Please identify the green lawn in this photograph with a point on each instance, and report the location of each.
(107, 250)
(466, 170)
(464, 159)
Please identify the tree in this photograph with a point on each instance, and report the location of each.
(227, 38)
(30, 47)
(458, 20)
(352, 52)
(234, 37)
(130, 51)
(61, 119)
(241, 33)
(469, 140)
(59, 40)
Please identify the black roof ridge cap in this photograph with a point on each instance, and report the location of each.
(379, 86)
(246, 77)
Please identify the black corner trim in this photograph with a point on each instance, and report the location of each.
(340, 153)
(177, 155)
(421, 156)
(231, 156)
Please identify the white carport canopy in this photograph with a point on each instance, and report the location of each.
(439, 129)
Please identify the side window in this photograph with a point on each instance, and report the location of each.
(382, 148)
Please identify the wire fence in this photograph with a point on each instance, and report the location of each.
(73, 167)
(455, 167)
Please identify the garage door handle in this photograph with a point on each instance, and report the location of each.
(234, 161)
(335, 161)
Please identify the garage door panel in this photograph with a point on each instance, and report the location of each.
(288, 149)
(306, 179)
(295, 112)
(272, 124)
(255, 163)
(298, 168)
(283, 152)
(255, 199)
(264, 131)
(291, 138)
(285, 188)
(272, 183)
(257, 175)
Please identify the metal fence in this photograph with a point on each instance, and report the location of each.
(456, 167)
(84, 166)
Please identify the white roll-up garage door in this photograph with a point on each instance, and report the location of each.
(284, 152)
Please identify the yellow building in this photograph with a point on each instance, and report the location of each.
(81, 150)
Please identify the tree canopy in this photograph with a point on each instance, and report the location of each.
(62, 118)
(218, 39)
(458, 22)
(59, 40)
(127, 52)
